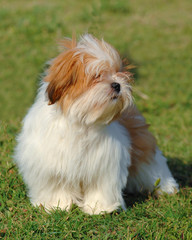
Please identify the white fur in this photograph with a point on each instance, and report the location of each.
(55, 157)
(102, 53)
(83, 110)
(148, 174)
(81, 157)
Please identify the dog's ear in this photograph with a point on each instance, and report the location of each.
(66, 74)
(62, 71)
(59, 76)
(63, 76)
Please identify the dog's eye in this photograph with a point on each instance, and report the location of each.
(98, 76)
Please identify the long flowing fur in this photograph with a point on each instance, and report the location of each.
(83, 141)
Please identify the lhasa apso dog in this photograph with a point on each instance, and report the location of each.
(83, 141)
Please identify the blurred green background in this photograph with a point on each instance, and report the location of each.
(156, 36)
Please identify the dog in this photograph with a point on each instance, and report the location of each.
(84, 141)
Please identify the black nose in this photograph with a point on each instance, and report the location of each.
(116, 86)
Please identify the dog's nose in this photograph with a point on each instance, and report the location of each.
(116, 86)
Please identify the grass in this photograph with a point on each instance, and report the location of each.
(156, 37)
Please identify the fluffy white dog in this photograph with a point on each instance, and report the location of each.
(83, 141)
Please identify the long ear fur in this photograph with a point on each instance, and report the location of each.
(60, 75)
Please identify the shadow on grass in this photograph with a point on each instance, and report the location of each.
(181, 171)
(135, 198)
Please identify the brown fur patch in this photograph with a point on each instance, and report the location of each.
(143, 143)
(68, 43)
(67, 79)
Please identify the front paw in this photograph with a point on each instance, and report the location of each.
(101, 208)
(97, 208)
(64, 204)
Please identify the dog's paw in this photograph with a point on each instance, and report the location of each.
(55, 204)
(99, 208)
(169, 186)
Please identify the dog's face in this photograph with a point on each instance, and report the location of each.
(88, 83)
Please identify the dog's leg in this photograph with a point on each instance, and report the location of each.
(147, 174)
(104, 198)
(97, 202)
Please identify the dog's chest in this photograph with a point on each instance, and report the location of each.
(91, 152)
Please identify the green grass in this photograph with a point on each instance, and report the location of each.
(153, 35)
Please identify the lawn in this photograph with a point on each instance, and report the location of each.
(153, 35)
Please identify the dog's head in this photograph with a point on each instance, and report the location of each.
(88, 82)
